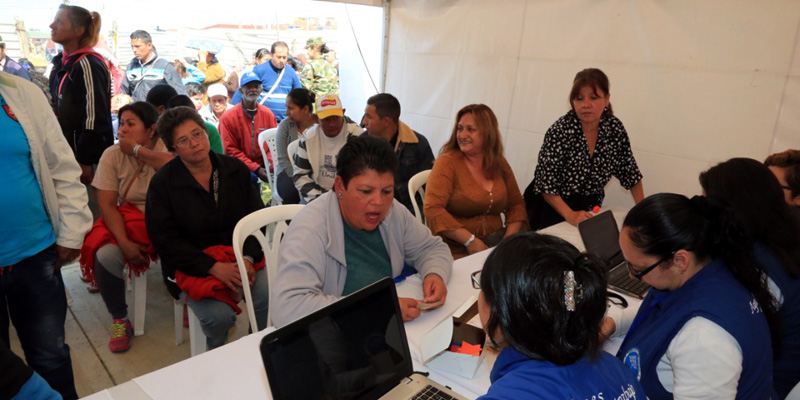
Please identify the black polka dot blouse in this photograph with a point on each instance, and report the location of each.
(565, 167)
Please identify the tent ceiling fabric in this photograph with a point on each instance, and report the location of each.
(694, 83)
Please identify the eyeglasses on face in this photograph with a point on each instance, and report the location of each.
(476, 279)
(186, 141)
(638, 275)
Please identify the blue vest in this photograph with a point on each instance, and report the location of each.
(715, 294)
(786, 367)
(515, 376)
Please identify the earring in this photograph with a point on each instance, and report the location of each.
(340, 194)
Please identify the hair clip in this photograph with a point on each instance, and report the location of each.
(569, 290)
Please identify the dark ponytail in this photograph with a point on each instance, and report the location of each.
(666, 222)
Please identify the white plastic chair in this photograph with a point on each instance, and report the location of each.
(270, 137)
(415, 185)
(251, 225)
(795, 393)
(138, 285)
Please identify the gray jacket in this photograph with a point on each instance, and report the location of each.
(312, 269)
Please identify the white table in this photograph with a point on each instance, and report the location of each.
(235, 371)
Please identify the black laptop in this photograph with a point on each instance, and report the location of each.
(355, 348)
(600, 236)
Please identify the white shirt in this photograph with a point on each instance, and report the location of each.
(326, 161)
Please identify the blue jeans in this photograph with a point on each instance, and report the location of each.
(33, 293)
(217, 318)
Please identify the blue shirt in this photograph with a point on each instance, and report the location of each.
(25, 228)
(515, 376)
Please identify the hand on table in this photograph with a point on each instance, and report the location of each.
(578, 216)
(227, 273)
(434, 289)
(408, 307)
(477, 245)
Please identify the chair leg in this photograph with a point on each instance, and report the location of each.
(178, 306)
(197, 339)
(139, 302)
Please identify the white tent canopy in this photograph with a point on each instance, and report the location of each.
(694, 82)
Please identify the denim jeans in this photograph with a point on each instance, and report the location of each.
(217, 318)
(36, 302)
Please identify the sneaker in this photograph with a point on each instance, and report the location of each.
(121, 332)
(92, 288)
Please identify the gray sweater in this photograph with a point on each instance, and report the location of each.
(312, 268)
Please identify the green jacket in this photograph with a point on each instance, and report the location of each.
(320, 77)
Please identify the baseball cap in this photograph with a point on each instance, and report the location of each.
(248, 77)
(329, 105)
(314, 41)
(217, 89)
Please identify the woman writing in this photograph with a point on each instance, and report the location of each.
(775, 227)
(299, 117)
(580, 154)
(471, 185)
(119, 237)
(541, 302)
(703, 330)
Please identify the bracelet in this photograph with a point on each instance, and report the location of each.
(136, 150)
(469, 242)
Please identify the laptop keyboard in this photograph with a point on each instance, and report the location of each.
(431, 393)
(619, 277)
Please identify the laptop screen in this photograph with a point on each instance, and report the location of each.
(601, 236)
(355, 348)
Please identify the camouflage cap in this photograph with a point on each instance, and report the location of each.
(314, 41)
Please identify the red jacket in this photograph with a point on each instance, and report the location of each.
(240, 135)
(204, 287)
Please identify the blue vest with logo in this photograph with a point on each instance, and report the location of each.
(515, 376)
(786, 367)
(715, 294)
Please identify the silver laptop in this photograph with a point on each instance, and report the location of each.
(600, 236)
(355, 348)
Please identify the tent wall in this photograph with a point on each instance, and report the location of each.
(694, 82)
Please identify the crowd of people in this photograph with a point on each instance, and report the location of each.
(170, 164)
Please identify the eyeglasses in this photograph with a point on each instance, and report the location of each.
(476, 279)
(185, 141)
(640, 274)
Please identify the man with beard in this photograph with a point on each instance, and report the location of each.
(241, 125)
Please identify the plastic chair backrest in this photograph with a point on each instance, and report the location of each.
(291, 149)
(415, 185)
(251, 225)
(270, 137)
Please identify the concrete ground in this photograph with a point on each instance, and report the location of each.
(87, 328)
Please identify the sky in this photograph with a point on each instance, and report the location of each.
(147, 14)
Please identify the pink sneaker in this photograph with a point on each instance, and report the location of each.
(121, 332)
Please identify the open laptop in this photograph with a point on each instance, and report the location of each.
(355, 348)
(600, 235)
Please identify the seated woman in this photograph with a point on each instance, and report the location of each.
(703, 330)
(299, 118)
(580, 154)
(471, 185)
(355, 235)
(759, 206)
(542, 302)
(119, 237)
(193, 204)
(786, 167)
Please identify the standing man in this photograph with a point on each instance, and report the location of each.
(315, 159)
(147, 69)
(241, 126)
(9, 65)
(382, 119)
(46, 216)
(277, 80)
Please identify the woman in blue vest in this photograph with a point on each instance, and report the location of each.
(541, 302)
(703, 330)
(758, 201)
